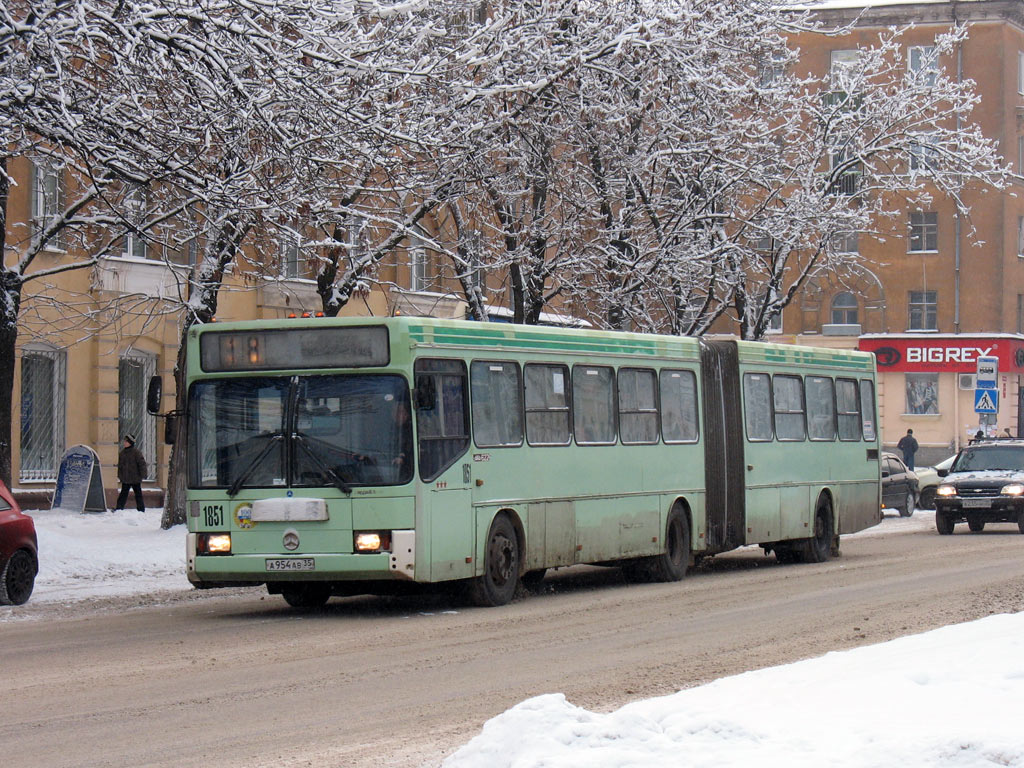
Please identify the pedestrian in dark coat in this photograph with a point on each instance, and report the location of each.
(131, 468)
(908, 445)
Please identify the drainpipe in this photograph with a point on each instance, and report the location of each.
(956, 227)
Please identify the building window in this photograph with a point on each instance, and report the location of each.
(47, 194)
(1020, 72)
(772, 69)
(134, 370)
(846, 242)
(1020, 313)
(923, 153)
(1020, 237)
(291, 256)
(845, 174)
(923, 311)
(922, 59)
(844, 309)
(417, 264)
(924, 231)
(922, 393)
(842, 60)
(774, 323)
(1020, 155)
(134, 203)
(42, 413)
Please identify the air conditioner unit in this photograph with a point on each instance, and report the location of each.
(967, 380)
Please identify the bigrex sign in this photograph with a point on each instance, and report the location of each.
(943, 354)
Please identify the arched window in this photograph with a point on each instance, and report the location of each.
(844, 308)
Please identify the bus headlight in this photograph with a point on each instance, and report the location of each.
(213, 544)
(946, 490)
(1013, 489)
(372, 541)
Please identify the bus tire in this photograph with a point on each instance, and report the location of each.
(306, 595)
(497, 585)
(818, 548)
(671, 565)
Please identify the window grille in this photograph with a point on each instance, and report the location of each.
(42, 414)
(134, 372)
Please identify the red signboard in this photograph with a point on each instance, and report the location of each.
(944, 354)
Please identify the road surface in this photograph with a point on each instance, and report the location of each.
(239, 679)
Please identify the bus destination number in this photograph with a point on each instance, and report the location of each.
(213, 514)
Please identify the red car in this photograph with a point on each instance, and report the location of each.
(19, 561)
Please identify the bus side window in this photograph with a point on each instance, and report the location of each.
(497, 404)
(867, 409)
(821, 407)
(444, 428)
(788, 399)
(593, 404)
(547, 404)
(679, 406)
(638, 406)
(757, 405)
(848, 406)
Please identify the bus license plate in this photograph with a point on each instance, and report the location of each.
(291, 564)
(976, 503)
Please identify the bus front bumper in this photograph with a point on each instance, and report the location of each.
(208, 571)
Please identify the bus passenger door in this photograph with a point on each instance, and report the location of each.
(724, 481)
(444, 466)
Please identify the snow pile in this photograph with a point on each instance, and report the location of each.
(107, 554)
(944, 698)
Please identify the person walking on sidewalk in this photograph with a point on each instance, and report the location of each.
(131, 468)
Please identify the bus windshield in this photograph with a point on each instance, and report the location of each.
(303, 431)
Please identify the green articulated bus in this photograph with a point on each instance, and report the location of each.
(369, 455)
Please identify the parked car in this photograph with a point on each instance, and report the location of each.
(899, 485)
(985, 484)
(19, 552)
(928, 480)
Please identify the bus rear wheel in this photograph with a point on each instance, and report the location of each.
(818, 548)
(497, 585)
(306, 595)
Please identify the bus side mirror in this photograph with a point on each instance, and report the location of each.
(425, 394)
(170, 427)
(154, 395)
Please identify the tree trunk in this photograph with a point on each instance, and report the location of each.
(10, 302)
(174, 500)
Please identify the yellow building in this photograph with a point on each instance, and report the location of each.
(931, 287)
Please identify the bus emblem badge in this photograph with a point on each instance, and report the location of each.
(243, 516)
(290, 539)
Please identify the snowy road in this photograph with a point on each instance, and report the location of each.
(240, 680)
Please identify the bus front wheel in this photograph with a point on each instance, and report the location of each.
(497, 585)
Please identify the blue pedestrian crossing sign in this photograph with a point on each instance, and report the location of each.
(986, 401)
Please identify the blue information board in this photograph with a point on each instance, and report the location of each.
(79, 482)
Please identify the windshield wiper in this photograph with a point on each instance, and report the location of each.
(244, 474)
(336, 480)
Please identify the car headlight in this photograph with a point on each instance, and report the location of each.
(946, 490)
(1013, 489)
